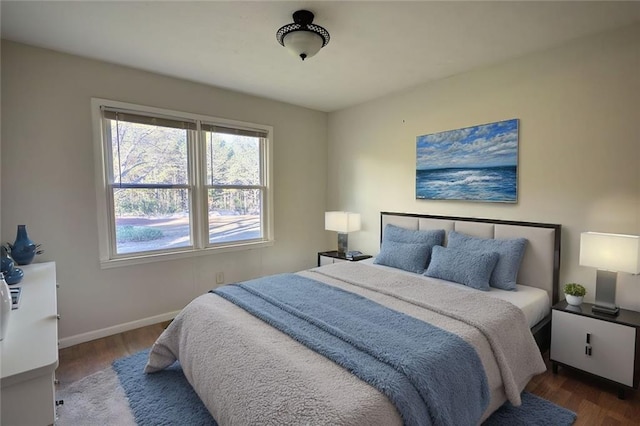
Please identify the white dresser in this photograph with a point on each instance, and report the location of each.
(29, 351)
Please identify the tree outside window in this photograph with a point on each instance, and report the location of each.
(176, 183)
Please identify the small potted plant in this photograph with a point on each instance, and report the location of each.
(574, 293)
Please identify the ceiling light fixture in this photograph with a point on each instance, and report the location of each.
(302, 38)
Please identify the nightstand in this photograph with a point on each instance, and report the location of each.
(602, 345)
(329, 257)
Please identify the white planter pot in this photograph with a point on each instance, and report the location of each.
(573, 300)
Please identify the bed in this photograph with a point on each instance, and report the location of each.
(289, 349)
(540, 267)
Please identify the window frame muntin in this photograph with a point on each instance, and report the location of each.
(198, 210)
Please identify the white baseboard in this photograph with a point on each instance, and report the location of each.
(109, 331)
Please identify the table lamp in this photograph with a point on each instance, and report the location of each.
(610, 253)
(343, 223)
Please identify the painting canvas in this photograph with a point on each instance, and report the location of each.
(478, 163)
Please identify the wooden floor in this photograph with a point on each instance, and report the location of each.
(595, 402)
(82, 360)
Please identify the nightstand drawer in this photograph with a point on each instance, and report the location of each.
(327, 260)
(599, 347)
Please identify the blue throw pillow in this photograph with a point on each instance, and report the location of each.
(510, 254)
(435, 237)
(429, 238)
(472, 269)
(410, 257)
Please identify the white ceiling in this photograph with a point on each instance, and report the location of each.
(376, 48)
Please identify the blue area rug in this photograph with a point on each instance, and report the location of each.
(166, 398)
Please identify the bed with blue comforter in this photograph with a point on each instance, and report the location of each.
(350, 344)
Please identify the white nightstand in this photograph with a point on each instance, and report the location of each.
(602, 345)
(329, 257)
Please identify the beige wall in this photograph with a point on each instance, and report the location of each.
(48, 184)
(579, 149)
(579, 111)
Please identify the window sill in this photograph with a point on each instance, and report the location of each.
(161, 257)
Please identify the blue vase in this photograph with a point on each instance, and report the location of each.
(14, 277)
(23, 249)
(6, 261)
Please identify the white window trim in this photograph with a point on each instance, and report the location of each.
(105, 210)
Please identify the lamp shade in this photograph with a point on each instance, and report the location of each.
(610, 252)
(341, 221)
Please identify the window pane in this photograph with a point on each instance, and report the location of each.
(234, 215)
(232, 159)
(151, 219)
(147, 154)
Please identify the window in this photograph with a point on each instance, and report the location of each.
(176, 184)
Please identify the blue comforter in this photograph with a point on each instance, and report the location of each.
(431, 375)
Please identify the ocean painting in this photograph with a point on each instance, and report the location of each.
(478, 163)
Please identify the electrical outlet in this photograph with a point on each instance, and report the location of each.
(220, 278)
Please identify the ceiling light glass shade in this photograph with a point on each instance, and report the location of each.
(302, 38)
(302, 44)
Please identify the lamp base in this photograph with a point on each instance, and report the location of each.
(605, 310)
(606, 293)
(343, 244)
